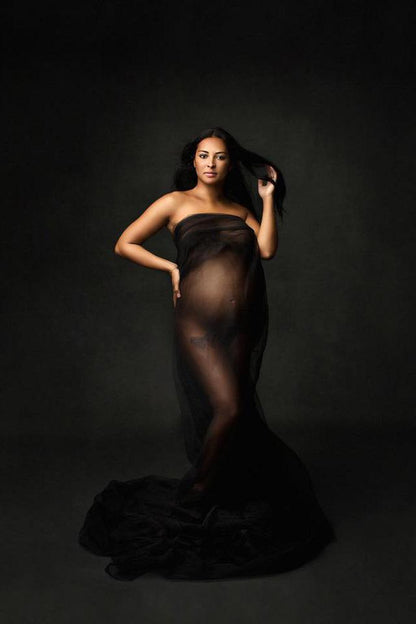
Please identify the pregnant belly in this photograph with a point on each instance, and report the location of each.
(215, 291)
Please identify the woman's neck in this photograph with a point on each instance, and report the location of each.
(210, 194)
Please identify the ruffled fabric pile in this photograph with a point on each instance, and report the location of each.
(140, 525)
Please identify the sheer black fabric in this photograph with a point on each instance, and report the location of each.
(246, 506)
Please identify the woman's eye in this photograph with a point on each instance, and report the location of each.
(221, 157)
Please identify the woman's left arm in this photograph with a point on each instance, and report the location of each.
(267, 236)
(266, 231)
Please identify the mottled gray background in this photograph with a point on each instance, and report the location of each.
(98, 99)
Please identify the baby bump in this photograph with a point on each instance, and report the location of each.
(215, 291)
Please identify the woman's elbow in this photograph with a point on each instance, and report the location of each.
(268, 255)
(118, 249)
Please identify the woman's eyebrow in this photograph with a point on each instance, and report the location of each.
(222, 152)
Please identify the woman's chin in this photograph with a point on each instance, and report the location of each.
(211, 180)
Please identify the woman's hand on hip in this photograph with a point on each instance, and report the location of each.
(175, 275)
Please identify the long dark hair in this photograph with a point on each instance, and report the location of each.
(235, 187)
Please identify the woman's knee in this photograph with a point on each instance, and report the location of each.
(226, 413)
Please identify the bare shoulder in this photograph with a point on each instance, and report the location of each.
(156, 216)
(168, 200)
(182, 204)
(163, 208)
(173, 200)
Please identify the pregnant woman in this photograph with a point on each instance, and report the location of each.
(246, 505)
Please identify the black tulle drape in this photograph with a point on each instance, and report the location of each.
(255, 510)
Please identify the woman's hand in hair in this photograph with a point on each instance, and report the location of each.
(265, 187)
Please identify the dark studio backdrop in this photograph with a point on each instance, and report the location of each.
(99, 98)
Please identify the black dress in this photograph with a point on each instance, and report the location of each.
(258, 512)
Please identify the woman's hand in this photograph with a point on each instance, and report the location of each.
(175, 275)
(267, 188)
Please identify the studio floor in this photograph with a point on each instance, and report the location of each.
(364, 479)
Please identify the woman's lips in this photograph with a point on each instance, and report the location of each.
(210, 173)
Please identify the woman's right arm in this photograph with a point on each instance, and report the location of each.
(153, 219)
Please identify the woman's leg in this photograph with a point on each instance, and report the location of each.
(211, 362)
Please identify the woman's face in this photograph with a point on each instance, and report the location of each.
(212, 160)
